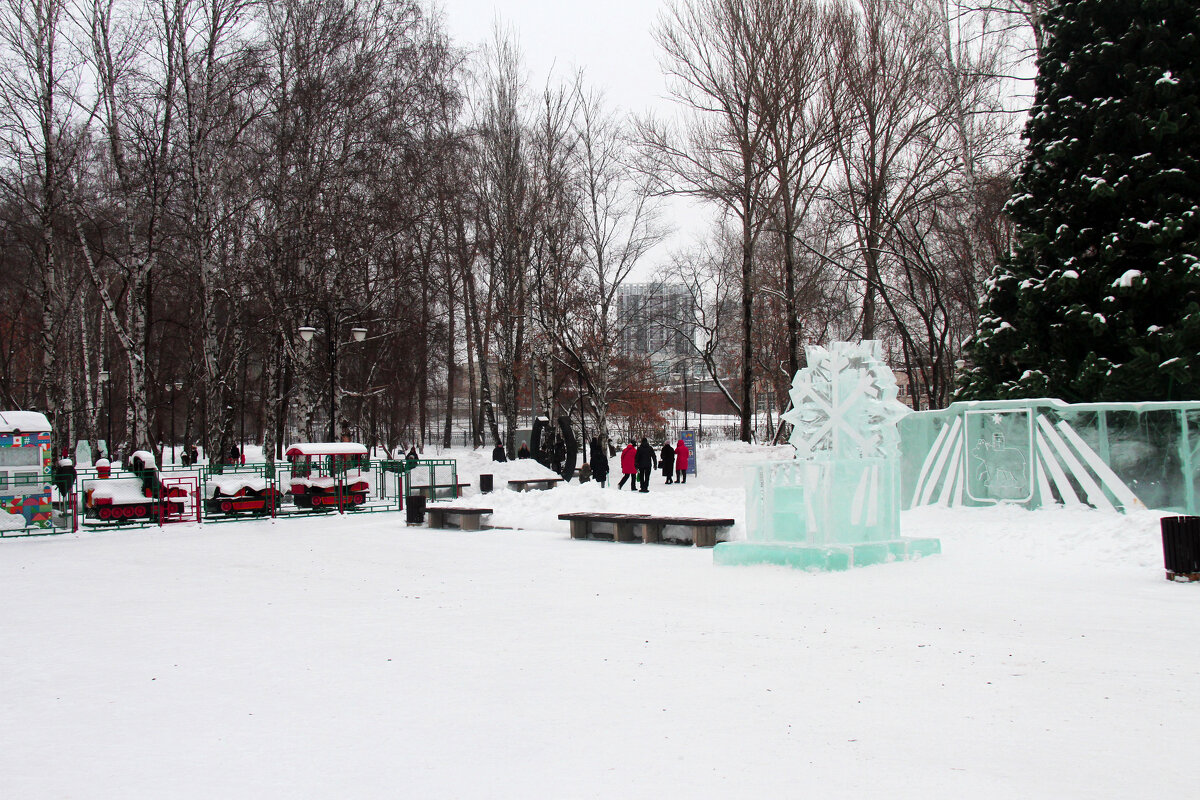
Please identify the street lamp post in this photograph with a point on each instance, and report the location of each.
(685, 398)
(306, 333)
(173, 388)
(104, 378)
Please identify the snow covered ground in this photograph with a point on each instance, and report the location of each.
(1042, 655)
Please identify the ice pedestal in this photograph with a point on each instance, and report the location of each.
(838, 504)
(823, 515)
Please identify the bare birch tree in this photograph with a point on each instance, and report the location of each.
(712, 65)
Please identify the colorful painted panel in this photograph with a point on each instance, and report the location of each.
(25, 477)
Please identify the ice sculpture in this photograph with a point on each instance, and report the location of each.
(1112, 456)
(837, 505)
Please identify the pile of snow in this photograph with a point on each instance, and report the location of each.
(10, 521)
(146, 457)
(470, 464)
(325, 449)
(23, 421)
(232, 484)
(117, 490)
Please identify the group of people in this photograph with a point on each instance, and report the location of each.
(638, 460)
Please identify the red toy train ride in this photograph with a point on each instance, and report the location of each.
(139, 497)
(328, 475)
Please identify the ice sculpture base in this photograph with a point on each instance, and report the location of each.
(824, 558)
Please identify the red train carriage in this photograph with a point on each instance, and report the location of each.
(328, 475)
(240, 494)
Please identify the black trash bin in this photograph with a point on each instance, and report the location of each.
(485, 484)
(1181, 548)
(414, 511)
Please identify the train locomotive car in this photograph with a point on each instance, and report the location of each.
(240, 494)
(328, 475)
(137, 497)
(25, 467)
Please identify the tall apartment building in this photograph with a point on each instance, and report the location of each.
(658, 322)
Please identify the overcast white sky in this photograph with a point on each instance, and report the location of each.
(611, 42)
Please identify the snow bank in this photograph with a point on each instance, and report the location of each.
(23, 421)
(232, 484)
(118, 490)
(146, 457)
(1056, 535)
(326, 449)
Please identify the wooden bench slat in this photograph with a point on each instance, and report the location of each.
(602, 517)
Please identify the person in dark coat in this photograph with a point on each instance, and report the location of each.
(234, 454)
(412, 456)
(629, 466)
(645, 460)
(195, 453)
(524, 451)
(498, 454)
(667, 459)
(599, 461)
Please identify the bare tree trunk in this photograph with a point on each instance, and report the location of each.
(451, 362)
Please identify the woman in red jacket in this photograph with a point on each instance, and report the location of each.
(681, 462)
(629, 466)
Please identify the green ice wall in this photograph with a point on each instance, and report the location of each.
(1041, 452)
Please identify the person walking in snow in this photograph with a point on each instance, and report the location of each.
(599, 461)
(629, 466)
(681, 461)
(645, 460)
(667, 460)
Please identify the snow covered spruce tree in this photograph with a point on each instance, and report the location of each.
(1100, 299)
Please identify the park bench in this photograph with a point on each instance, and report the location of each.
(583, 526)
(703, 529)
(528, 484)
(469, 519)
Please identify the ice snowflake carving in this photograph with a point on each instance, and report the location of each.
(844, 404)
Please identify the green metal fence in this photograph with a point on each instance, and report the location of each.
(433, 477)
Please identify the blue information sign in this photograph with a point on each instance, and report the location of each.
(689, 438)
